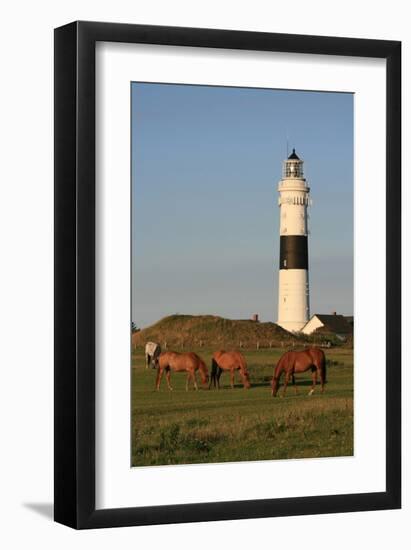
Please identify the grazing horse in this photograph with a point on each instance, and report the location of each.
(228, 361)
(293, 362)
(181, 362)
(152, 351)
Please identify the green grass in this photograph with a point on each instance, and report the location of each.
(191, 427)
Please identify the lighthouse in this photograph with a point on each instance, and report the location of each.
(293, 283)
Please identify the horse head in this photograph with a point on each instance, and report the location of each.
(274, 386)
(246, 380)
(204, 375)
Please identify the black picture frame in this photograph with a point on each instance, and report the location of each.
(75, 270)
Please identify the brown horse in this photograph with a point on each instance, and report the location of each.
(181, 362)
(293, 362)
(228, 361)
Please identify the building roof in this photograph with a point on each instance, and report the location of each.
(294, 156)
(335, 323)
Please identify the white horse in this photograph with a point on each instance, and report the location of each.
(152, 351)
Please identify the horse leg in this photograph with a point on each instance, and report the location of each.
(147, 361)
(158, 379)
(195, 380)
(188, 378)
(232, 379)
(168, 374)
(294, 384)
(314, 382)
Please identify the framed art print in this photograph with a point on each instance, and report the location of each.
(227, 268)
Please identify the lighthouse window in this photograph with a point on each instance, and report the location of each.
(293, 170)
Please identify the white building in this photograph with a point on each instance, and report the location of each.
(336, 324)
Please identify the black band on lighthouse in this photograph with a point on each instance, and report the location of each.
(293, 252)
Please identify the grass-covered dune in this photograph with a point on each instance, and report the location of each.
(210, 330)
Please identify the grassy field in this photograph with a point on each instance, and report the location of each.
(182, 427)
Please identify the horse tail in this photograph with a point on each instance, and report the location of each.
(214, 371)
(325, 369)
(214, 367)
(323, 363)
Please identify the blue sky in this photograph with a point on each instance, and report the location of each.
(206, 162)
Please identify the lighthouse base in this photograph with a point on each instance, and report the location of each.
(292, 326)
(293, 299)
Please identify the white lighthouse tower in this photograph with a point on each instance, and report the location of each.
(293, 286)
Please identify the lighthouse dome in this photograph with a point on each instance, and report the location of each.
(293, 156)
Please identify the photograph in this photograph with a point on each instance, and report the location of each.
(205, 217)
(242, 274)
